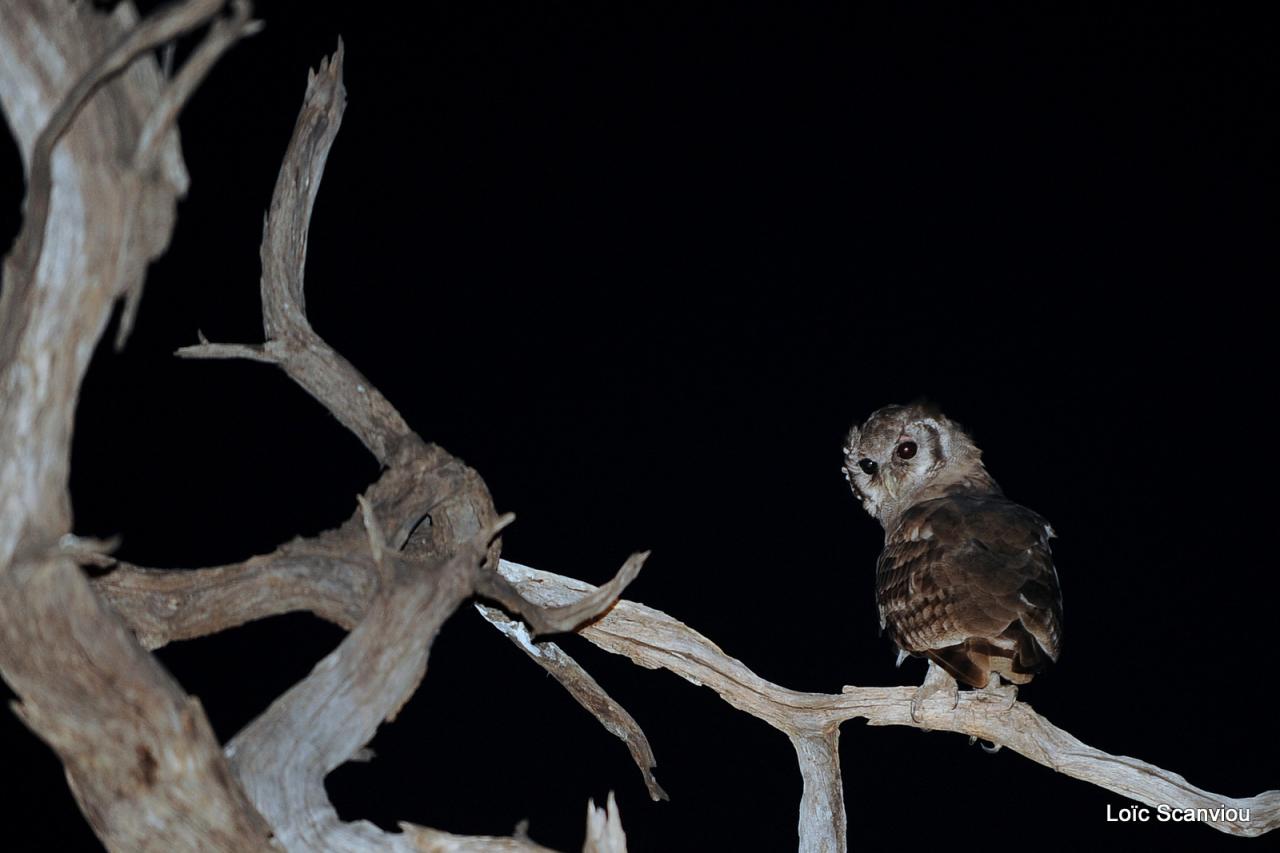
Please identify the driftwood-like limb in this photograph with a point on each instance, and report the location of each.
(139, 755)
(95, 130)
(282, 757)
(557, 619)
(291, 342)
(323, 576)
(331, 575)
(655, 640)
(823, 823)
(315, 575)
(586, 690)
(423, 571)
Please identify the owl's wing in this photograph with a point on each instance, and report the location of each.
(969, 581)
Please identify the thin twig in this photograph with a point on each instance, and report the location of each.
(251, 352)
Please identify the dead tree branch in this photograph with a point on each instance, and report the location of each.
(78, 92)
(586, 691)
(428, 528)
(653, 639)
(93, 117)
(557, 619)
(291, 342)
(314, 575)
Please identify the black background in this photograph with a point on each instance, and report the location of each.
(642, 265)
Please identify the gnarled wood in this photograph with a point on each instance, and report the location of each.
(93, 116)
(94, 124)
(653, 639)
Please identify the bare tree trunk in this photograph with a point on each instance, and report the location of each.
(104, 173)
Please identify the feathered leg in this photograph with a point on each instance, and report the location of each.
(935, 680)
(995, 691)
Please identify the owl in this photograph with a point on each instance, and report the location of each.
(966, 578)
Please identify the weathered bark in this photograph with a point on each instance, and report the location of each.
(93, 117)
(653, 639)
(93, 120)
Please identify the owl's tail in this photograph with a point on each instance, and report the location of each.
(1015, 655)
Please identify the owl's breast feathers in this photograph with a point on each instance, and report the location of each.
(968, 580)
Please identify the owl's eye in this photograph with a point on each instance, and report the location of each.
(906, 450)
(868, 466)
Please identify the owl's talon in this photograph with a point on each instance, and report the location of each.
(935, 680)
(989, 748)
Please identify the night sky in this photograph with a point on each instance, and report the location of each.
(642, 265)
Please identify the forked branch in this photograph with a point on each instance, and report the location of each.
(423, 571)
(140, 755)
(653, 639)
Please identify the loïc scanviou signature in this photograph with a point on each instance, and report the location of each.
(1166, 813)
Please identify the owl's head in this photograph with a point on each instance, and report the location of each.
(904, 455)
